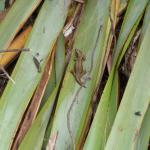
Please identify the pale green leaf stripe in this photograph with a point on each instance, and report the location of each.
(136, 98)
(95, 14)
(17, 96)
(15, 18)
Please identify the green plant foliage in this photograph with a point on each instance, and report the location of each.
(17, 96)
(74, 101)
(125, 131)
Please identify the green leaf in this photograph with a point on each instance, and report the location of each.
(91, 39)
(15, 19)
(34, 138)
(104, 116)
(145, 23)
(134, 10)
(58, 71)
(107, 107)
(58, 68)
(17, 96)
(144, 135)
(127, 123)
(39, 126)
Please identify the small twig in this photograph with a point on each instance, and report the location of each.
(7, 75)
(14, 50)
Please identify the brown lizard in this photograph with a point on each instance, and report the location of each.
(78, 71)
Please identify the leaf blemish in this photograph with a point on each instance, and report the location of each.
(138, 113)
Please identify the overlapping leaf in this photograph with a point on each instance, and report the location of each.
(74, 101)
(26, 74)
(127, 123)
(107, 108)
